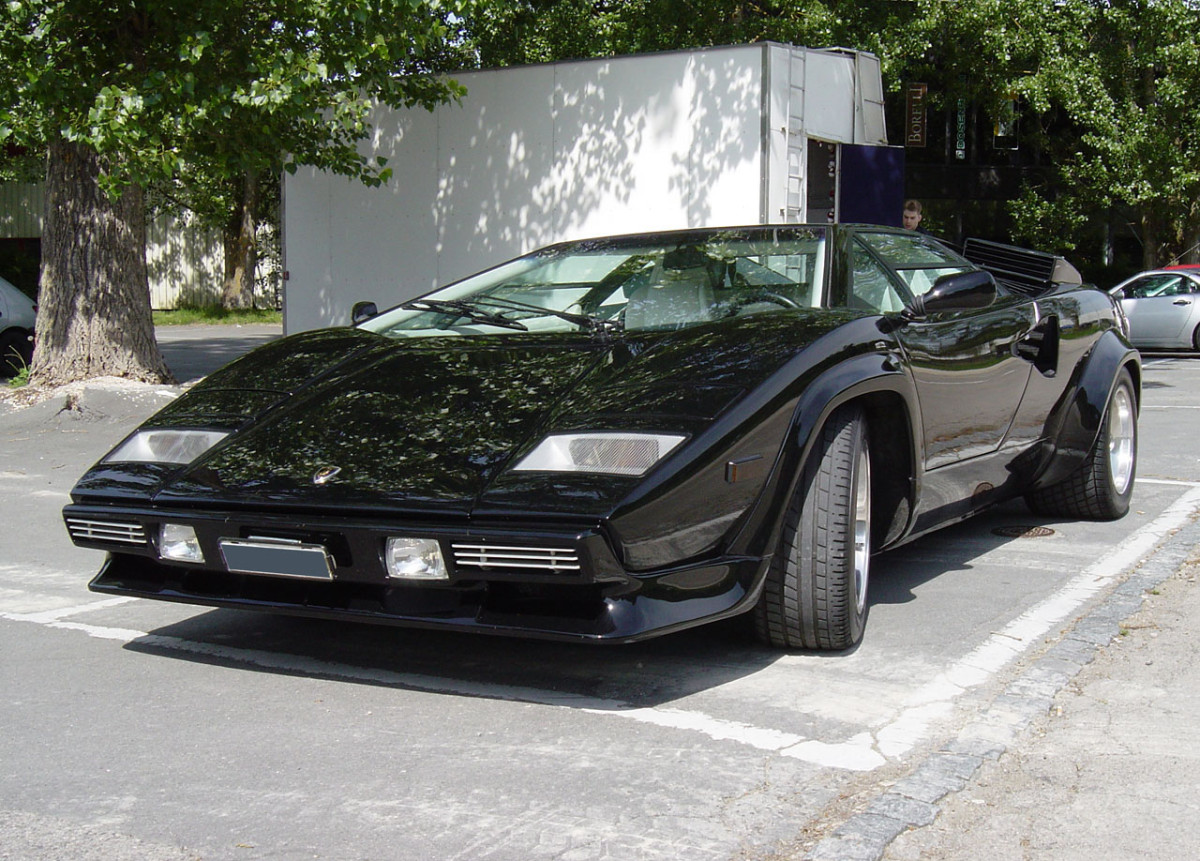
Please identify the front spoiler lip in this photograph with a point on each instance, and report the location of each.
(617, 619)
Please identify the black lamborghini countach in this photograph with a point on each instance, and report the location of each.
(617, 438)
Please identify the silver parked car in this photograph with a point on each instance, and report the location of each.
(17, 313)
(1163, 307)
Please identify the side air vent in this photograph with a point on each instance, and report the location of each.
(486, 556)
(107, 531)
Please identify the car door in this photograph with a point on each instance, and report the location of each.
(965, 364)
(1159, 306)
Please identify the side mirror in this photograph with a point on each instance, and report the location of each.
(958, 291)
(362, 311)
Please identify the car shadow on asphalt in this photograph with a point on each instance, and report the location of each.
(635, 675)
(896, 575)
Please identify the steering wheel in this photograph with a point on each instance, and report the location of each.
(739, 302)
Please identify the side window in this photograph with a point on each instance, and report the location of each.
(920, 261)
(1143, 288)
(1175, 287)
(871, 286)
(1153, 286)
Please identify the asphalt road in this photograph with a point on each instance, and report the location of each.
(144, 730)
(196, 350)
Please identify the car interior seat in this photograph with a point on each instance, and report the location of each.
(677, 293)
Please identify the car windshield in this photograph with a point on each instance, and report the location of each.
(634, 283)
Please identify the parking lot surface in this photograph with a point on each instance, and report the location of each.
(149, 730)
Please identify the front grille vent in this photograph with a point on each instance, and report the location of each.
(486, 556)
(108, 531)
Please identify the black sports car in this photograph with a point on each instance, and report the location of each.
(612, 439)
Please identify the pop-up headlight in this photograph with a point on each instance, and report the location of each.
(165, 445)
(608, 452)
(415, 559)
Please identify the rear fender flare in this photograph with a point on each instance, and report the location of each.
(1075, 422)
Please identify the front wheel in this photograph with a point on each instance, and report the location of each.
(815, 594)
(1102, 487)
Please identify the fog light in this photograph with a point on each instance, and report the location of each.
(178, 542)
(415, 559)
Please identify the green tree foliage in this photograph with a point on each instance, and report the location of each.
(1107, 87)
(510, 32)
(1116, 87)
(124, 95)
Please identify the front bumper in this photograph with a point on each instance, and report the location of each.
(572, 587)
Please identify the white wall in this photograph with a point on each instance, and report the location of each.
(532, 155)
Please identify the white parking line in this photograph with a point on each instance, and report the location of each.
(856, 755)
(863, 752)
(936, 698)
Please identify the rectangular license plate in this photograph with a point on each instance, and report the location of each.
(277, 559)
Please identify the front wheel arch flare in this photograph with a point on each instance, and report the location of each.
(893, 415)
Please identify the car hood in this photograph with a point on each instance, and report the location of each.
(428, 425)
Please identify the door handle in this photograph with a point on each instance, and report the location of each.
(1182, 302)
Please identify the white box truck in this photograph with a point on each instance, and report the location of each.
(532, 155)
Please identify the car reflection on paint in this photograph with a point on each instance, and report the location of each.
(617, 438)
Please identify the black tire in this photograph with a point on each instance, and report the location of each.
(1196, 340)
(1102, 487)
(815, 594)
(16, 352)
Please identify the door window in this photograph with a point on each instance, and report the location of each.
(919, 260)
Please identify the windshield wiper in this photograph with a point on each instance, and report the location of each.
(463, 308)
(592, 324)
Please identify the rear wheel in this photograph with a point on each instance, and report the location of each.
(1102, 487)
(1196, 340)
(815, 595)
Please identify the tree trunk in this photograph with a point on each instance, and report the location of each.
(1149, 241)
(94, 315)
(241, 249)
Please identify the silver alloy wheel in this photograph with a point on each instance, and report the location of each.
(862, 528)
(1122, 437)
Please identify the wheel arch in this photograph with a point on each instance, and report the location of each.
(891, 409)
(1075, 423)
(894, 461)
